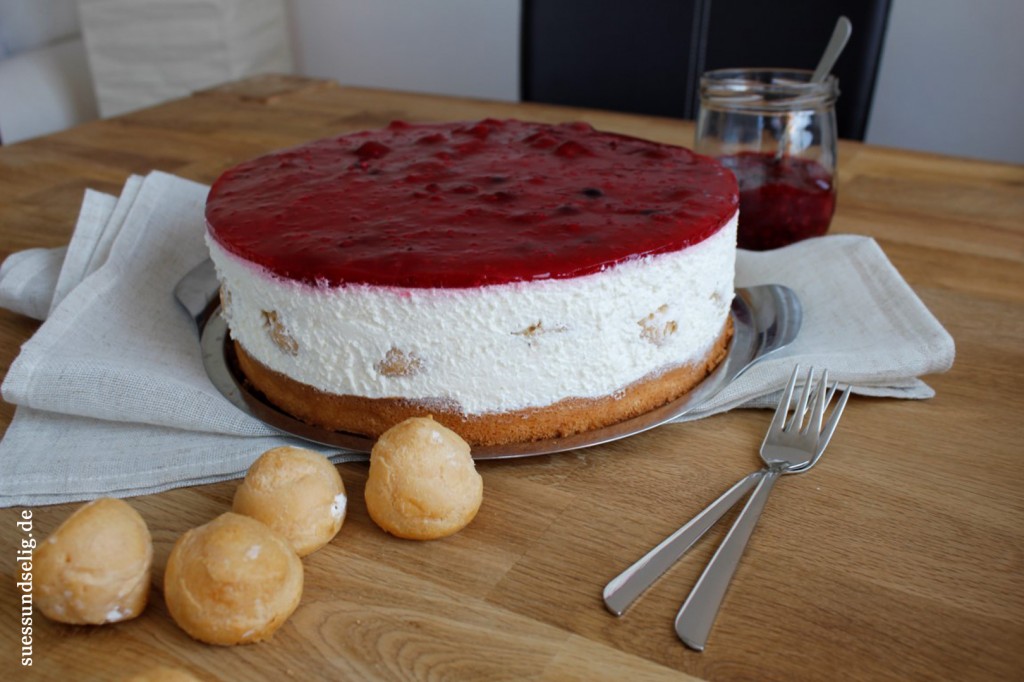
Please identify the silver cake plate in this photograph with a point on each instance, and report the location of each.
(765, 319)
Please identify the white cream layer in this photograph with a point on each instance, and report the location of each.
(489, 349)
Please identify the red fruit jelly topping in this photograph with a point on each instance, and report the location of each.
(468, 204)
(782, 200)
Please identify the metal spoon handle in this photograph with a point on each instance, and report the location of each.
(840, 34)
(345, 457)
(197, 291)
(625, 588)
(695, 618)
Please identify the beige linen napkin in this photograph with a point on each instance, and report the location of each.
(113, 399)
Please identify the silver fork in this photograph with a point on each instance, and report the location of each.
(790, 447)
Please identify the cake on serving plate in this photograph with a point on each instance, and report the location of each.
(514, 280)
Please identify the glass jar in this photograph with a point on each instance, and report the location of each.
(776, 130)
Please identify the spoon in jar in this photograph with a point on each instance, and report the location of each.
(836, 44)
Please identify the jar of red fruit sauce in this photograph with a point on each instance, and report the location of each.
(776, 130)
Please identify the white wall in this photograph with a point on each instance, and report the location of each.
(452, 47)
(951, 78)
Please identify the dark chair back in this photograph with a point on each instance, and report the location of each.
(646, 56)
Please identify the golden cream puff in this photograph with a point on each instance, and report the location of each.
(232, 581)
(423, 483)
(95, 568)
(298, 493)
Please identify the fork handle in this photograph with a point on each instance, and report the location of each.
(625, 588)
(697, 615)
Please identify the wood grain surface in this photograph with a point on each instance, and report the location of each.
(900, 557)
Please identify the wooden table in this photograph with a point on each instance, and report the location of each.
(900, 557)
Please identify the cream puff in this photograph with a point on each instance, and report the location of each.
(95, 568)
(423, 483)
(298, 493)
(232, 581)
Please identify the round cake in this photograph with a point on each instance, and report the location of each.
(513, 280)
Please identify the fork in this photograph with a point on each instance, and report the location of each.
(791, 446)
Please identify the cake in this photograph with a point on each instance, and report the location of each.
(513, 280)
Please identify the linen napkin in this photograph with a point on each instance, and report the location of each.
(113, 399)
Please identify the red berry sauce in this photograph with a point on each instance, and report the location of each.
(781, 200)
(458, 205)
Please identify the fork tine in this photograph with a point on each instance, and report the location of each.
(801, 411)
(782, 411)
(824, 433)
(820, 401)
(831, 393)
(833, 420)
